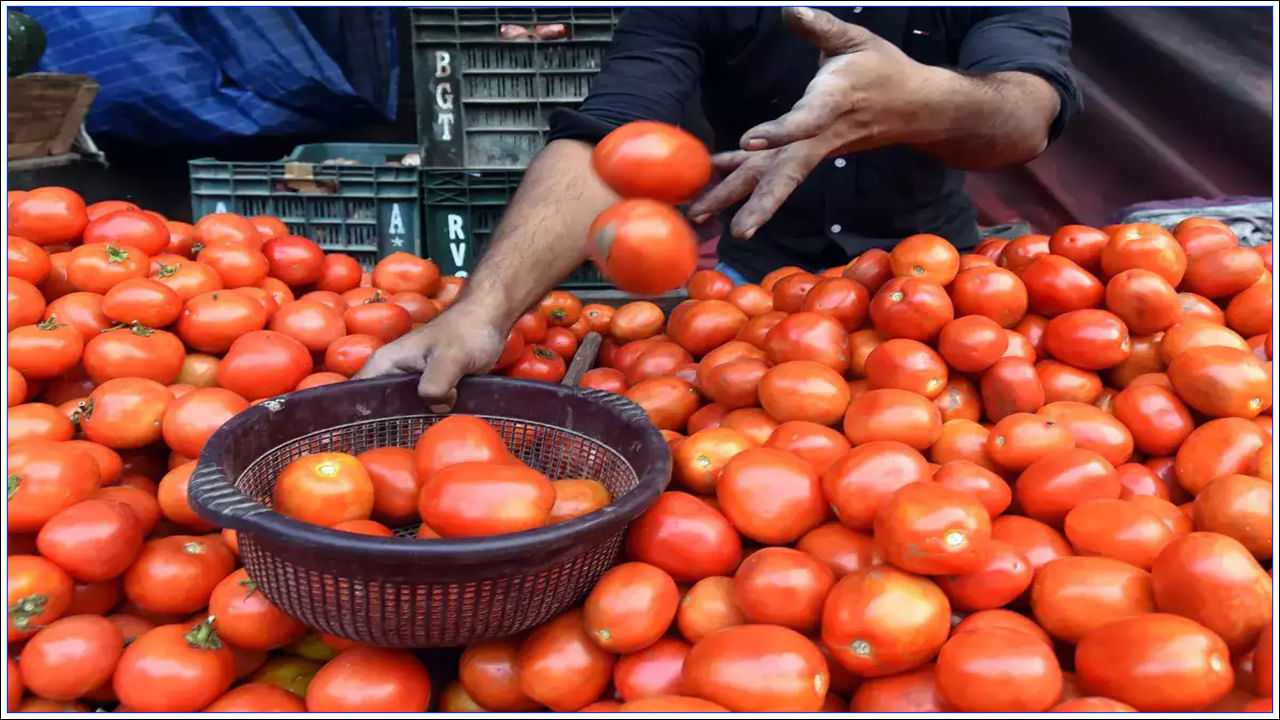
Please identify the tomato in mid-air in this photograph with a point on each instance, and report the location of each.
(647, 159)
(643, 246)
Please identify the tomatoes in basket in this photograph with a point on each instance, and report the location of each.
(647, 159)
(643, 246)
(324, 489)
(458, 439)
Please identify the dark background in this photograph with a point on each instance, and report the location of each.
(1178, 104)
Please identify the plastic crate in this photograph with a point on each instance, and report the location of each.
(463, 208)
(367, 210)
(483, 101)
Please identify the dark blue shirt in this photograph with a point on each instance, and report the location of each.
(746, 67)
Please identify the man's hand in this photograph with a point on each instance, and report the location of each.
(461, 341)
(868, 94)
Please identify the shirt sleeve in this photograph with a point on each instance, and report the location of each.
(1034, 40)
(651, 71)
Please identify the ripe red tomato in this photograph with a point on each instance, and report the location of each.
(71, 657)
(1221, 381)
(262, 364)
(186, 278)
(1117, 529)
(38, 421)
(653, 672)
(379, 318)
(930, 529)
(808, 336)
(295, 260)
(758, 668)
(1056, 285)
(175, 575)
(702, 326)
(1155, 662)
(630, 607)
(559, 665)
(1011, 386)
(192, 419)
(257, 697)
(27, 261)
(244, 617)
(972, 343)
(174, 668)
(144, 301)
(987, 487)
(906, 365)
(1001, 578)
(473, 499)
(752, 300)
(804, 390)
(993, 292)
(538, 362)
(402, 272)
(1093, 428)
(1072, 596)
(1238, 506)
(791, 291)
(212, 321)
(339, 273)
(227, 229)
(48, 216)
(710, 605)
(238, 266)
(314, 324)
(396, 483)
(646, 159)
(643, 246)
(782, 586)
(881, 621)
(93, 540)
(685, 537)
(560, 308)
(1158, 419)
(324, 489)
(925, 257)
(998, 670)
(893, 414)
(348, 354)
(1080, 244)
(1057, 482)
(45, 349)
(1088, 339)
(909, 308)
(136, 351)
(39, 593)
(1218, 448)
(709, 285)
(1020, 252)
(1063, 382)
(633, 321)
(843, 550)
(697, 462)
(576, 497)
(131, 227)
(1215, 581)
(911, 691)
(1223, 272)
(98, 267)
(1037, 542)
(858, 483)
(842, 298)
(770, 496)
(126, 412)
(815, 444)
(25, 304)
(367, 679)
(668, 400)
(487, 670)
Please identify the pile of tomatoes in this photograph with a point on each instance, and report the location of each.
(1036, 476)
(131, 340)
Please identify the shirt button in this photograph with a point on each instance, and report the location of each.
(836, 228)
(840, 162)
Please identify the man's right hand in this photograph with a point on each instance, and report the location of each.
(461, 341)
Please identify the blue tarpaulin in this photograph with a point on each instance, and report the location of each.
(193, 74)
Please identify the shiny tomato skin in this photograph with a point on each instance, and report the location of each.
(685, 537)
(472, 499)
(808, 336)
(244, 617)
(643, 246)
(1146, 246)
(212, 321)
(1011, 386)
(173, 668)
(998, 670)
(1117, 529)
(987, 487)
(783, 586)
(134, 352)
(882, 621)
(559, 665)
(1004, 575)
(324, 489)
(348, 354)
(925, 257)
(127, 412)
(929, 529)
(911, 691)
(1056, 285)
(1221, 382)
(403, 272)
(93, 540)
(758, 668)
(367, 679)
(771, 496)
(1216, 581)
(843, 550)
(909, 308)
(993, 292)
(704, 325)
(1071, 596)
(804, 390)
(1088, 339)
(1057, 482)
(175, 575)
(264, 364)
(857, 484)
(257, 697)
(1218, 448)
(1080, 244)
(647, 159)
(1155, 662)
(47, 216)
(815, 444)
(630, 607)
(71, 657)
(906, 365)
(842, 298)
(487, 670)
(972, 343)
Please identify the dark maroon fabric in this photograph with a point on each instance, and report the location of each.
(1177, 105)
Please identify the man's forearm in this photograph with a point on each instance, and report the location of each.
(543, 236)
(976, 122)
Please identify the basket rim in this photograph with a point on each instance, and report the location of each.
(214, 496)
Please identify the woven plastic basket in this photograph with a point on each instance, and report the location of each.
(406, 592)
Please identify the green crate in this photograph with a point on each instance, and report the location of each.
(367, 210)
(482, 100)
(463, 208)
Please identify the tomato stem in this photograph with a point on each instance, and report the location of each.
(164, 271)
(543, 353)
(203, 636)
(23, 612)
(116, 255)
(49, 323)
(140, 330)
(196, 248)
(14, 482)
(376, 297)
(251, 586)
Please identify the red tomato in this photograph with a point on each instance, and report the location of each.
(881, 621)
(27, 261)
(1072, 596)
(339, 273)
(257, 697)
(244, 617)
(646, 159)
(643, 247)
(998, 670)
(348, 354)
(538, 362)
(1221, 381)
(576, 497)
(1056, 285)
(892, 414)
(705, 325)
(1117, 529)
(1057, 482)
(668, 400)
(909, 308)
(71, 657)
(758, 668)
(48, 216)
(175, 575)
(136, 351)
(191, 420)
(324, 489)
(131, 227)
(1002, 577)
(1088, 339)
(858, 483)
(630, 607)
(993, 292)
(487, 670)
(262, 364)
(930, 529)
(39, 593)
(367, 679)
(315, 325)
(817, 445)
(685, 537)
(1081, 244)
(804, 390)
(782, 586)
(633, 321)
(1146, 246)
(473, 499)
(127, 412)
(93, 540)
(227, 229)
(911, 691)
(710, 605)
(559, 665)
(653, 672)
(402, 272)
(1215, 581)
(709, 285)
(770, 496)
(906, 365)
(295, 260)
(1155, 663)
(213, 321)
(1022, 251)
(752, 300)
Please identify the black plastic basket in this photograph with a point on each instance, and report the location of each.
(405, 592)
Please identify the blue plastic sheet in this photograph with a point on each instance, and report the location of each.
(192, 74)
